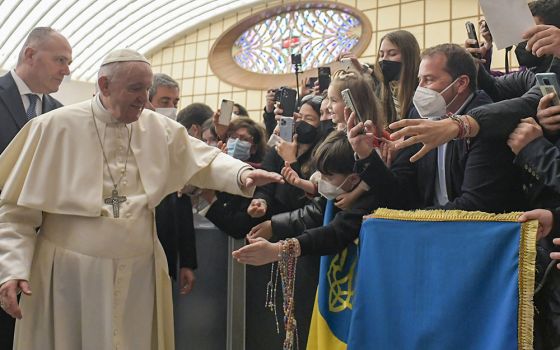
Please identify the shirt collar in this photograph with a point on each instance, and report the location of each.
(22, 86)
(100, 112)
(464, 105)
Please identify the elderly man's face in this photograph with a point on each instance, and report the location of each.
(127, 90)
(49, 63)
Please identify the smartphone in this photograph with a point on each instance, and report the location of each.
(324, 77)
(277, 94)
(288, 101)
(549, 83)
(286, 128)
(471, 32)
(349, 102)
(226, 110)
(346, 64)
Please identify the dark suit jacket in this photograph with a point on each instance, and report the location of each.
(12, 113)
(480, 175)
(174, 225)
(12, 119)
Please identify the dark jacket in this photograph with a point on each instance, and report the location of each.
(229, 214)
(507, 86)
(12, 113)
(12, 119)
(175, 229)
(306, 224)
(480, 175)
(540, 162)
(498, 120)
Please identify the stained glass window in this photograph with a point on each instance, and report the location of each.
(319, 35)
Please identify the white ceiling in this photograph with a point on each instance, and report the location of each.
(94, 28)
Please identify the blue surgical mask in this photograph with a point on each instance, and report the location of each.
(239, 149)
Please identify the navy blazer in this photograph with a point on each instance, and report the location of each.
(12, 113)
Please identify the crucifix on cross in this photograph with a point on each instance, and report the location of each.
(115, 200)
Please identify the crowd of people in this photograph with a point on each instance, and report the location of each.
(431, 129)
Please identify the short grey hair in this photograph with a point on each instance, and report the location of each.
(34, 39)
(161, 79)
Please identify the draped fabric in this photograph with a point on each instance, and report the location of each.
(444, 280)
(333, 304)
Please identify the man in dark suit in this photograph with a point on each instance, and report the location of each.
(473, 174)
(42, 64)
(174, 217)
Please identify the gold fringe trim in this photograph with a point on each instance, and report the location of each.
(526, 270)
(527, 256)
(442, 215)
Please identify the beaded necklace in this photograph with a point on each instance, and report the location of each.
(286, 268)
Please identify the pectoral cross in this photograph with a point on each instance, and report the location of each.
(115, 200)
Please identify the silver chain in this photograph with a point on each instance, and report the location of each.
(115, 184)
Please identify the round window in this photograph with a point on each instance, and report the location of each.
(258, 52)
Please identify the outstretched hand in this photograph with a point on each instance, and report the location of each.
(257, 208)
(258, 252)
(264, 230)
(259, 177)
(431, 133)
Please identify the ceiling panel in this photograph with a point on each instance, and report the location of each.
(94, 28)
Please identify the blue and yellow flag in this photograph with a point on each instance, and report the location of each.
(444, 280)
(333, 305)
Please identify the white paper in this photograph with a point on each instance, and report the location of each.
(507, 20)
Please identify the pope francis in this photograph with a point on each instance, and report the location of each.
(78, 190)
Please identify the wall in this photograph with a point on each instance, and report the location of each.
(431, 21)
(71, 91)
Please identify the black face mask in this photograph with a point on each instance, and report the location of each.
(326, 126)
(526, 58)
(306, 133)
(391, 70)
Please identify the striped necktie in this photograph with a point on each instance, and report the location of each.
(32, 109)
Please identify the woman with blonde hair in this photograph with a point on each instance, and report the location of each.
(361, 88)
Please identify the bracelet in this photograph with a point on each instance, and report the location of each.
(464, 126)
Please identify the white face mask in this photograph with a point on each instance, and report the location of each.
(430, 103)
(330, 191)
(168, 112)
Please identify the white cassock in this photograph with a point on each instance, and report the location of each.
(98, 282)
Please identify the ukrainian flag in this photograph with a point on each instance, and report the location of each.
(441, 280)
(333, 304)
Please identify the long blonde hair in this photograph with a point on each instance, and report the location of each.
(361, 88)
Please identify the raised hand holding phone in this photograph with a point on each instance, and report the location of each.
(226, 111)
